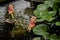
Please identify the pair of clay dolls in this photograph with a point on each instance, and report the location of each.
(11, 13)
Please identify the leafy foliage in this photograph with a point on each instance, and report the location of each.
(43, 13)
(41, 30)
(37, 38)
(47, 14)
(58, 23)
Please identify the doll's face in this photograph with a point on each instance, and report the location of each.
(33, 19)
(32, 23)
(10, 9)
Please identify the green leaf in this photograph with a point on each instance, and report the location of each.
(46, 15)
(52, 13)
(46, 35)
(48, 3)
(40, 20)
(53, 37)
(43, 13)
(41, 7)
(37, 38)
(39, 29)
(58, 38)
(57, 23)
(36, 13)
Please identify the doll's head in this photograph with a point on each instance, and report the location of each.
(11, 8)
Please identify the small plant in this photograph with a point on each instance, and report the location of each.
(48, 22)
